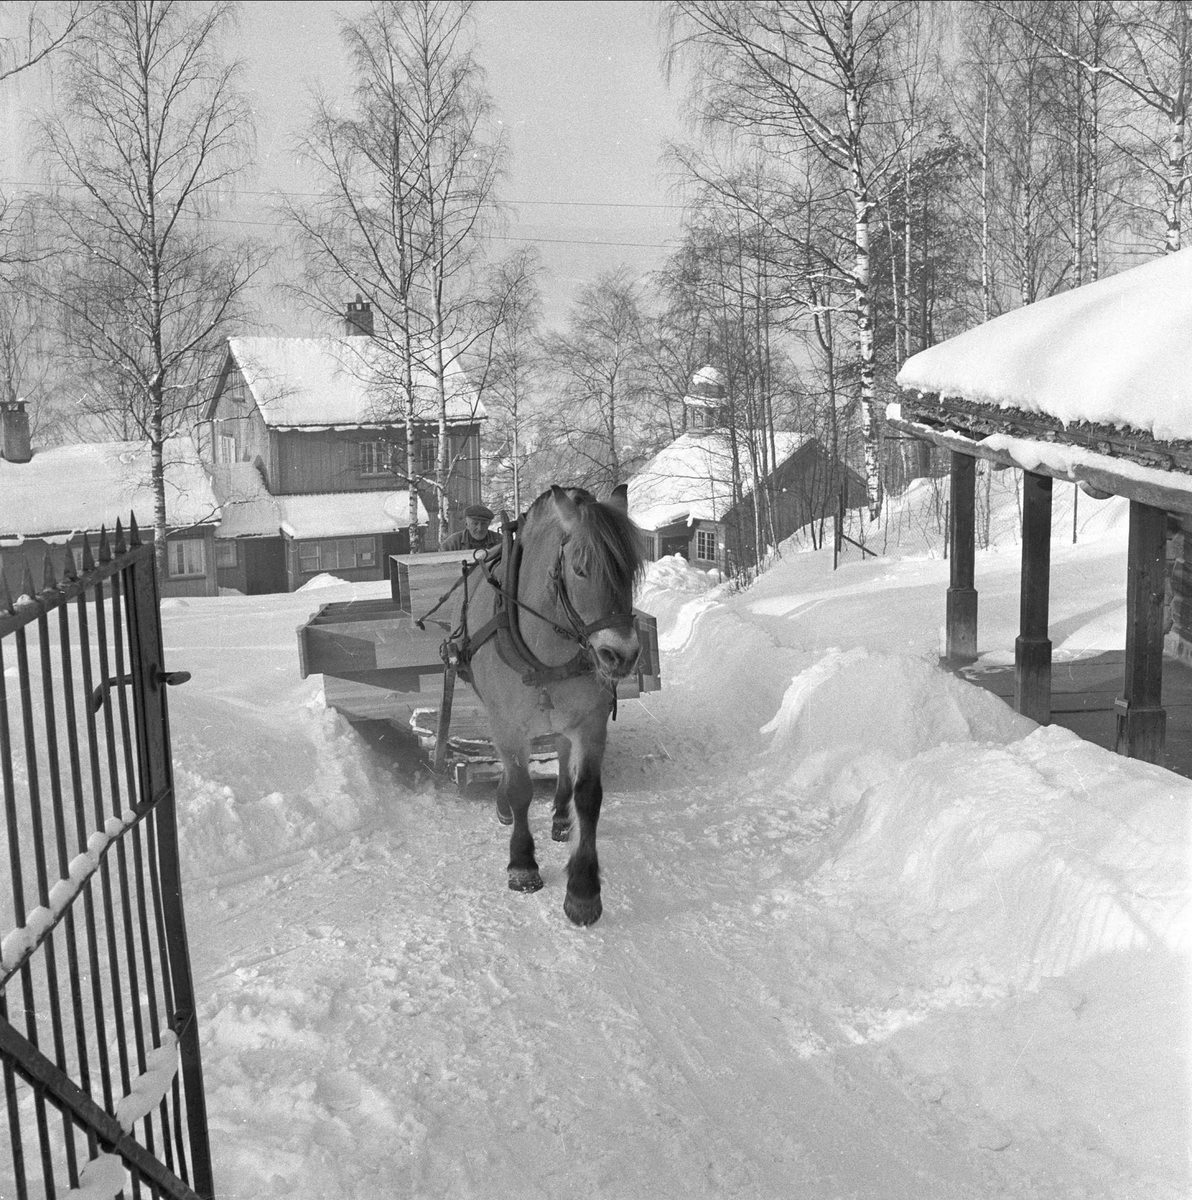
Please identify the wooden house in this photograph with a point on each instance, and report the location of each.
(306, 441)
(696, 498)
(50, 499)
(1093, 386)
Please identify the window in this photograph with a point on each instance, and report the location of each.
(225, 448)
(186, 556)
(226, 553)
(428, 454)
(337, 554)
(235, 389)
(705, 544)
(374, 458)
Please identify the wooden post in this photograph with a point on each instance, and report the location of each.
(1141, 718)
(961, 620)
(443, 729)
(1032, 650)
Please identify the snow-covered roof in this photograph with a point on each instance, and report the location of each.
(250, 511)
(691, 479)
(707, 384)
(1116, 352)
(322, 382)
(76, 489)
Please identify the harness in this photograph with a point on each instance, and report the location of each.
(460, 647)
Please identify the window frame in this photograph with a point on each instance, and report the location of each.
(428, 463)
(376, 457)
(183, 547)
(319, 550)
(222, 546)
(703, 538)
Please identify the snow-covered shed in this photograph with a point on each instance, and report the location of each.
(695, 497)
(1093, 386)
(306, 437)
(50, 499)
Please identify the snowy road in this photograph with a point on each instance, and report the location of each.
(835, 962)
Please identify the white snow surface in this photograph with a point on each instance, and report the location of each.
(76, 489)
(867, 932)
(318, 382)
(1116, 352)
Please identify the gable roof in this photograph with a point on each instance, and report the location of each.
(1117, 352)
(692, 478)
(75, 489)
(250, 510)
(322, 382)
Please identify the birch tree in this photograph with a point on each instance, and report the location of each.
(807, 76)
(151, 130)
(408, 185)
(507, 363)
(1153, 65)
(597, 367)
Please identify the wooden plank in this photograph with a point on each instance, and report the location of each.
(985, 419)
(419, 581)
(1105, 479)
(353, 646)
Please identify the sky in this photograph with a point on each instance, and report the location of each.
(867, 932)
(582, 98)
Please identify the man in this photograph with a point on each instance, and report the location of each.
(475, 535)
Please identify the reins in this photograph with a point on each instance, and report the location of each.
(459, 649)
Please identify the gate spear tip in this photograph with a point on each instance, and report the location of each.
(27, 588)
(49, 581)
(88, 560)
(6, 604)
(119, 537)
(105, 553)
(134, 534)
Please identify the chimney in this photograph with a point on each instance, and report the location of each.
(14, 432)
(358, 319)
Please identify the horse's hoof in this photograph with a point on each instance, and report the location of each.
(560, 830)
(583, 912)
(524, 879)
(504, 813)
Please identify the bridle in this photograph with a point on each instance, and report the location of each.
(580, 630)
(504, 625)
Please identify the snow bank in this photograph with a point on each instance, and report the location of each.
(1014, 856)
(1009, 842)
(271, 791)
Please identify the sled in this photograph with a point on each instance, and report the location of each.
(382, 660)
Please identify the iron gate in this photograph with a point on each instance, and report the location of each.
(98, 1040)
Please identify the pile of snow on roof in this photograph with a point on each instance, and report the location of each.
(1116, 352)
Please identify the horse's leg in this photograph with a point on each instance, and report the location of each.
(560, 828)
(515, 792)
(582, 904)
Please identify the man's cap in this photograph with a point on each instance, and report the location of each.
(479, 512)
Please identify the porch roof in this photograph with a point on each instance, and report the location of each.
(250, 511)
(1116, 353)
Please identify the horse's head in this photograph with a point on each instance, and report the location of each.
(600, 559)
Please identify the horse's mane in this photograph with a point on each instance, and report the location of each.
(607, 544)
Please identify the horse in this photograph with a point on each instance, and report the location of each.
(543, 632)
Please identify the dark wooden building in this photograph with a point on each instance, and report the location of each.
(307, 448)
(696, 497)
(1093, 386)
(50, 499)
